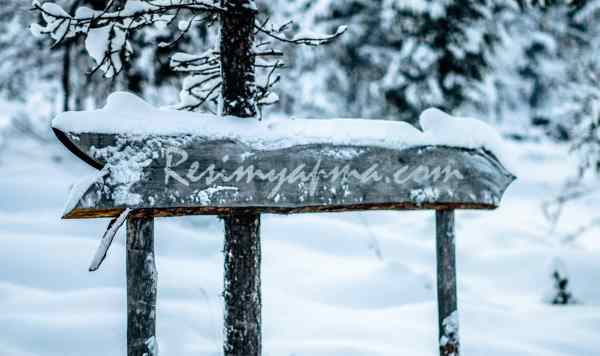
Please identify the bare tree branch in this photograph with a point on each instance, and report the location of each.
(309, 39)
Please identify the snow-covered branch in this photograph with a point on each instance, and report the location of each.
(265, 96)
(205, 63)
(135, 13)
(107, 32)
(302, 38)
(204, 80)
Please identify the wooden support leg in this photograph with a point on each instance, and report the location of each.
(446, 284)
(141, 287)
(242, 285)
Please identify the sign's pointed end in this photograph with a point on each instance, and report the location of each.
(75, 149)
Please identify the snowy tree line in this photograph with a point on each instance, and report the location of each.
(529, 66)
(520, 64)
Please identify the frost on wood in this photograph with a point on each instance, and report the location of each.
(197, 163)
(242, 285)
(449, 339)
(141, 287)
(79, 189)
(446, 283)
(152, 346)
(186, 165)
(188, 172)
(107, 239)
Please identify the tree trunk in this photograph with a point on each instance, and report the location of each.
(66, 76)
(242, 285)
(446, 284)
(237, 61)
(141, 287)
(242, 230)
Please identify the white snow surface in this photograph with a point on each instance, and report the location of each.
(325, 291)
(125, 113)
(96, 42)
(107, 240)
(78, 189)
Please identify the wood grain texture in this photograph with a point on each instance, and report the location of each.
(241, 290)
(446, 284)
(303, 178)
(141, 287)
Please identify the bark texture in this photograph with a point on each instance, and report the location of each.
(242, 230)
(446, 284)
(237, 60)
(141, 287)
(242, 285)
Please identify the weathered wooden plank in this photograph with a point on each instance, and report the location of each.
(192, 175)
(446, 284)
(141, 287)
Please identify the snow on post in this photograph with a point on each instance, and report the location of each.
(446, 284)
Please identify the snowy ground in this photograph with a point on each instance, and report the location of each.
(325, 291)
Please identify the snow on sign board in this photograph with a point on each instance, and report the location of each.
(180, 163)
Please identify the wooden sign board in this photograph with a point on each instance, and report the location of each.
(187, 175)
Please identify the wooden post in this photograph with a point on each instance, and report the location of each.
(242, 294)
(242, 285)
(446, 284)
(141, 287)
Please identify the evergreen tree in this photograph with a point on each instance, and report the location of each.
(401, 57)
(22, 57)
(524, 85)
(446, 47)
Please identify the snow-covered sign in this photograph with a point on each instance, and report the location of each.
(178, 163)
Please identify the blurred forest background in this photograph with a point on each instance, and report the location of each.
(530, 68)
